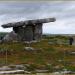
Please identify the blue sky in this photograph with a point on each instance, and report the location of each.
(63, 11)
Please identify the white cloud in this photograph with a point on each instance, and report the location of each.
(63, 11)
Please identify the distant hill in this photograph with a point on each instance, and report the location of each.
(60, 34)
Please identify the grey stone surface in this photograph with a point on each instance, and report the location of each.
(27, 30)
(29, 48)
(22, 23)
(12, 36)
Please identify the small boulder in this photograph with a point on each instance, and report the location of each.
(29, 48)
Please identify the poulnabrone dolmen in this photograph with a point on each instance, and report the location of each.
(29, 30)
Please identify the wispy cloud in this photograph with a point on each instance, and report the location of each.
(63, 11)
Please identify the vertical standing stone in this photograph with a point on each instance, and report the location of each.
(38, 32)
(28, 33)
(20, 32)
(25, 33)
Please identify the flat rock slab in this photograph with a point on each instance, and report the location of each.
(29, 48)
(11, 72)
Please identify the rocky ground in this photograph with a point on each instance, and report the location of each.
(50, 54)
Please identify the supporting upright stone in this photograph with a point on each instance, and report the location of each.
(38, 31)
